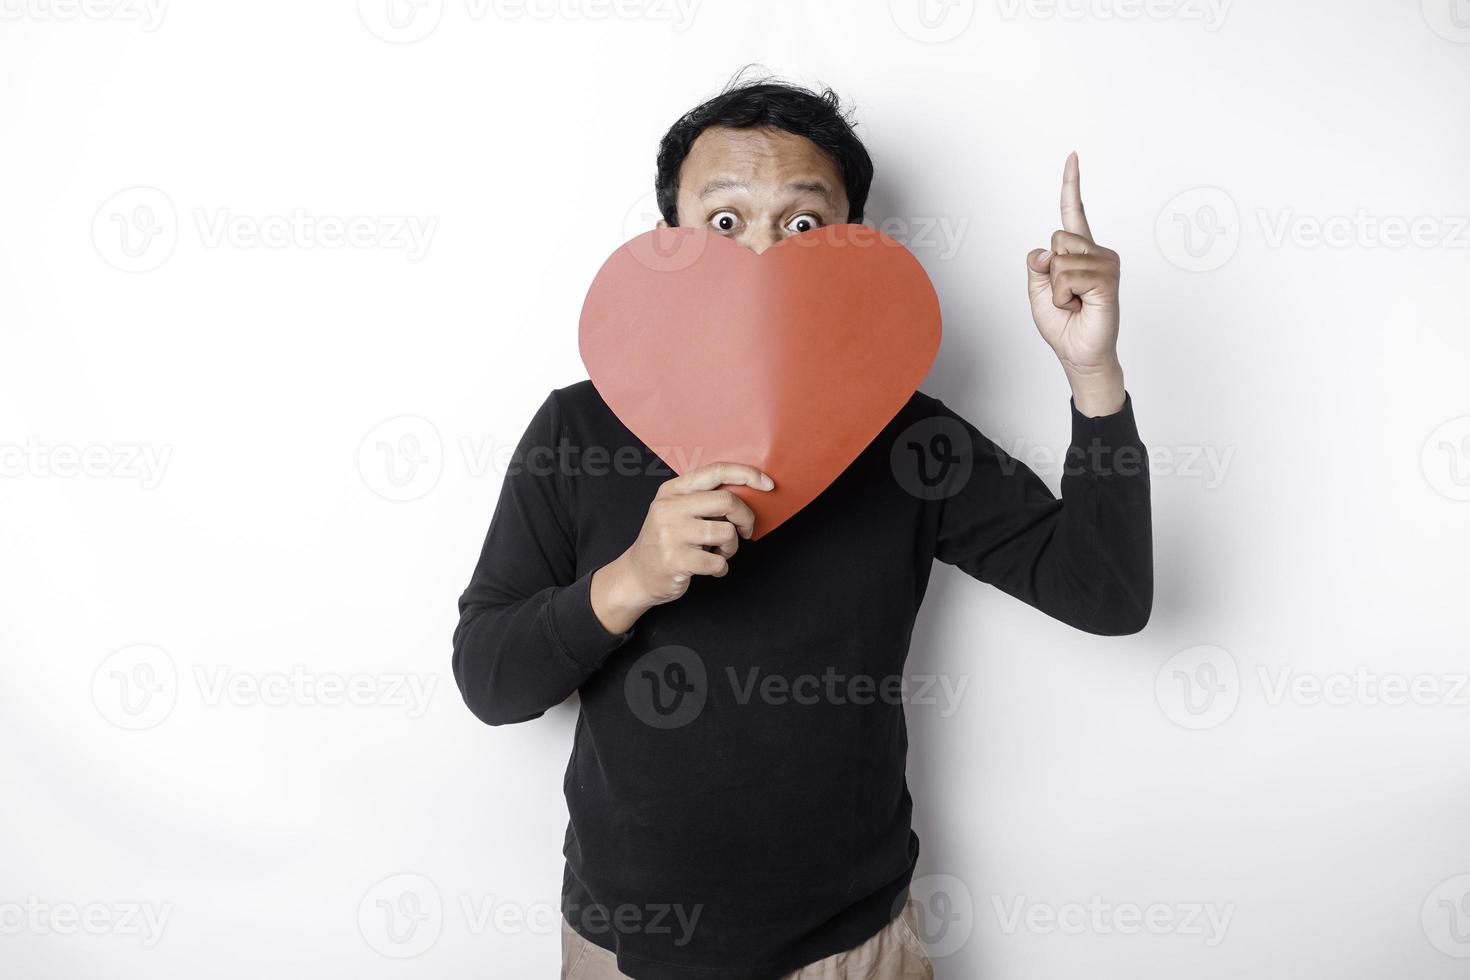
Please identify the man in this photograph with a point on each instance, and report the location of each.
(719, 829)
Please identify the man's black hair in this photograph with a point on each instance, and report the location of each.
(743, 104)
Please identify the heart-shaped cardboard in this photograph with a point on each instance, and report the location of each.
(791, 361)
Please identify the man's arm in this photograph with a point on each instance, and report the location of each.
(527, 634)
(530, 630)
(1088, 558)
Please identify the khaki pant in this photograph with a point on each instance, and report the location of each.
(894, 953)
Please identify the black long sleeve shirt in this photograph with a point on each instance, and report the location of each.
(736, 788)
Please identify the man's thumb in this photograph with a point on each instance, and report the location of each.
(1038, 270)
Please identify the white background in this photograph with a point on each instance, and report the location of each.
(233, 465)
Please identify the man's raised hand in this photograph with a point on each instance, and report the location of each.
(1074, 300)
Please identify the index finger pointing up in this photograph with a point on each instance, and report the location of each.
(1074, 219)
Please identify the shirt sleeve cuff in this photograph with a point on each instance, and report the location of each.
(1107, 445)
(575, 627)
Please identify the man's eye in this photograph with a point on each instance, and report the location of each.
(724, 221)
(803, 222)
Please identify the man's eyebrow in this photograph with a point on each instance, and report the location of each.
(811, 186)
(723, 184)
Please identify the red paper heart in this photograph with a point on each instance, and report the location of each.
(790, 361)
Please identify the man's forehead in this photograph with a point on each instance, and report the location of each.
(727, 157)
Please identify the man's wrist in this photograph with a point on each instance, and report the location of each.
(1097, 391)
(615, 600)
